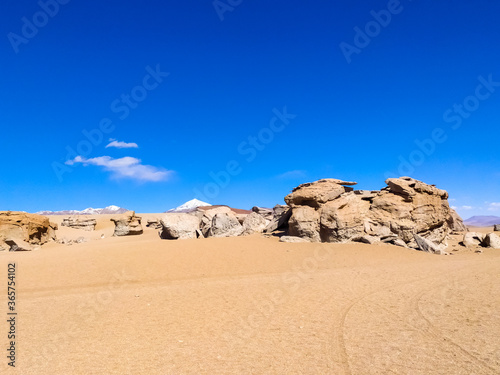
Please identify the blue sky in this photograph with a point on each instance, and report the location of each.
(237, 102)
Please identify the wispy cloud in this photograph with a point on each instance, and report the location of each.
(467, 207)
(494, 206)
(293, 174)
(126, 167)
(120, 144)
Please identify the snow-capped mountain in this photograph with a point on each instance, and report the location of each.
(189, 206)
(88, 211)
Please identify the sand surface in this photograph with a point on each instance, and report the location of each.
(250, 305)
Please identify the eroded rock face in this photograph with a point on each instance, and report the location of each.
(254, 223)
(179, 226)
(329, 211)
(30, 228)
(225, 225)
(79, 223)
(127, 224)
(496, 228)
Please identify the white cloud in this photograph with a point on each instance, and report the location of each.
(454, 207)
(494, 206)
(120, 144)
(293, 174)
(126, 167)
(466, 207)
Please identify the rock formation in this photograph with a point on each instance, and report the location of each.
(22, 229)
(496, 228)
(329, 210)
(179, 226)
(127, 224)
(79, 223)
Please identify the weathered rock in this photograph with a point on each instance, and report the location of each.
(343, 219)
(428, 246)
(207, 219)
(455, 222)
(367, 239)
(225, 225)
(491, 240)
(328, 211)
(304, 222)
(264, 212)
(32, 228)
(155, 224)
(281, 216)
(293, 239)
(179, 226)
(79, 223)
(254, 223)
(472, 239)
(496, 228)
(17, 244)
(313, 194)
(127, 224)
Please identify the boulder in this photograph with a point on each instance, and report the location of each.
(207, 218)
(491, 240)
(179, 226)
(496, 228)
(428, 246)
(254, 223)
(472, 239)
(79, 223)
(31, 228)
(127, 224)
(225, 225)
(292, 239)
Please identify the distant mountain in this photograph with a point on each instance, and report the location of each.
(482, 221)
(87, 211)
(189, 206)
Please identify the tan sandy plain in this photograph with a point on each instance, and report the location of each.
(250, 305)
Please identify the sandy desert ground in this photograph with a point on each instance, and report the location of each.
(250, 305)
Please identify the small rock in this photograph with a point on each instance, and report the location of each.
(293, 239)
(81, 240)
(428, 246)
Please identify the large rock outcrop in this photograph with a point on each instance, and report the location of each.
(28, 228)
(79, 223)
(127, 224)
(329, 210)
